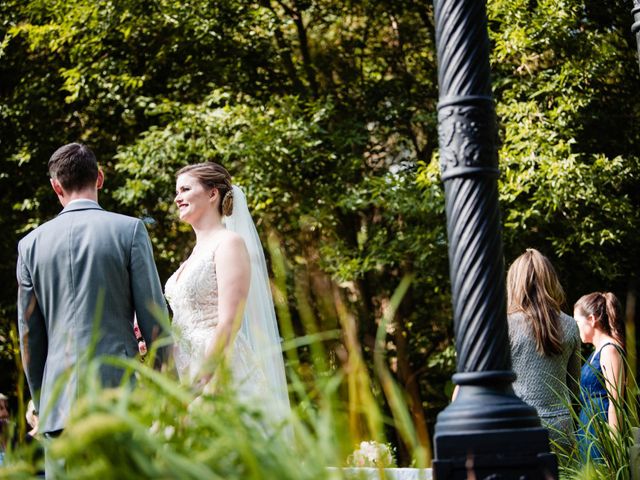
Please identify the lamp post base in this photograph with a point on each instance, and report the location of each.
(542, 466)
(489, 433)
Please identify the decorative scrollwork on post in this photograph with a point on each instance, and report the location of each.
(466, 133)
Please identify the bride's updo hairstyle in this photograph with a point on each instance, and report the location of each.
(212, 175)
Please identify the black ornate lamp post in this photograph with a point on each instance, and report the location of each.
(487, 429)
(635, 28)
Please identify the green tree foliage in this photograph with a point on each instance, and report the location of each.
(325, 113)
(565, 76)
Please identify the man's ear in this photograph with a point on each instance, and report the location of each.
(100, 180)
(55, 184)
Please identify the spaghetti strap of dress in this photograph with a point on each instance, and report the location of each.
(616, 346)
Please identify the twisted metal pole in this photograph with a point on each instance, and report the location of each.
(487, 428)
(635, 28)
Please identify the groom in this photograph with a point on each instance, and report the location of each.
(81, 278)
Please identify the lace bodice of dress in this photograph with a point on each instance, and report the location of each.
(192, 293)
(195, 295)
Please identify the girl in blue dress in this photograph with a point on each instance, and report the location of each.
(602, 378)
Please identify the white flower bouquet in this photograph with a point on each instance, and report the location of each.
(372, 454)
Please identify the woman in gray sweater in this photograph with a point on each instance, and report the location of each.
(545, 344)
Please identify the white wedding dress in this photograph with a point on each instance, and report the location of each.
(192, 292)
(256, 361)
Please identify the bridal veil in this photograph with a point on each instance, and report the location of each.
(259, 323)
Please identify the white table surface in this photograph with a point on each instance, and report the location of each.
(389, 473)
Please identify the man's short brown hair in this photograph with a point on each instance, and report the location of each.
(75, 166)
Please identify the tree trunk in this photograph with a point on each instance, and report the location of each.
(295, 13)
(630, 320)
(285, 51)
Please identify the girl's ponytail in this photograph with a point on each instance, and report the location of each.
(614, 318)
(606, 309)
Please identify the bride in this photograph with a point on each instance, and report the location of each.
(220, 297)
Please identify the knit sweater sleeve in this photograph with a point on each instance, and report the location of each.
(573, 365)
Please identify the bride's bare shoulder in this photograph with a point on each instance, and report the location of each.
(232, 253)
(232, 241)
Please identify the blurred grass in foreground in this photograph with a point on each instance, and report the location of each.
(161, 429)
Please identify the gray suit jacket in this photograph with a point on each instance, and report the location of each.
(81, 278)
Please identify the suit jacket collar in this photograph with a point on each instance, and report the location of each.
(84, 204)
